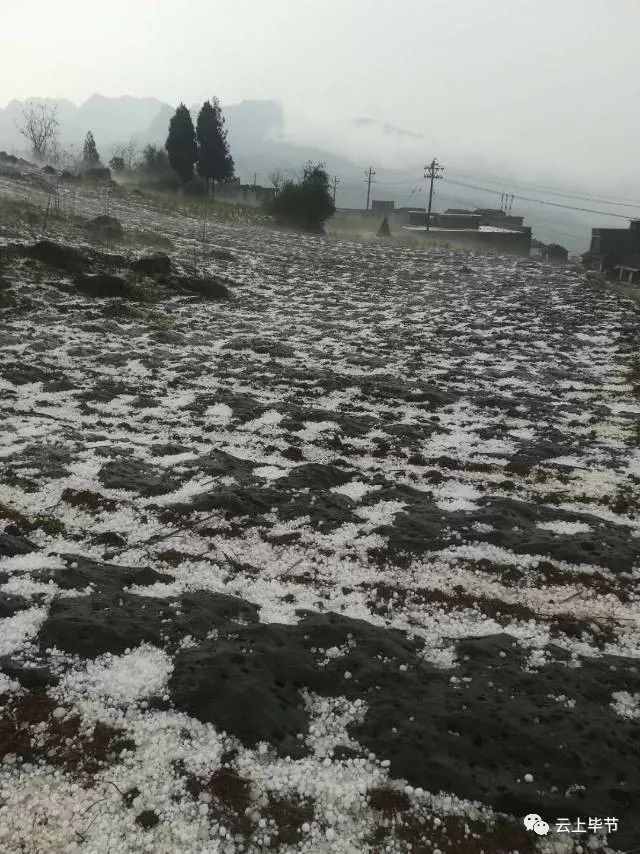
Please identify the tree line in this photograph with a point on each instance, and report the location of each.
(203, 148)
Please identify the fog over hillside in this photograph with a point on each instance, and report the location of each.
(264, 136)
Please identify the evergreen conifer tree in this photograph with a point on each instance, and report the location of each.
(214, 160)
(181, 144)
(90, 156)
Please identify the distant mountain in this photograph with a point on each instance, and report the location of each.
(262, 140)
(111, 120)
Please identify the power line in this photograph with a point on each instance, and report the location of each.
(369, 174)
(551, 228)
(336, 181)
(434, 173)
(536, 201)
(594, 197)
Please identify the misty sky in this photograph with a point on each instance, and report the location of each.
(550, 85)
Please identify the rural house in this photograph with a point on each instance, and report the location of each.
(616, 252)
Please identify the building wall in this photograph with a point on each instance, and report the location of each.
(498, 242)
(615, 241)
(455, 220)
(505, 221)
(382, 206)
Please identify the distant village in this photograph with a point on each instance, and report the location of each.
(614, 252)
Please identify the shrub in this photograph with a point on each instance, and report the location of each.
(155, 169)
(117, 164)
(307, 204)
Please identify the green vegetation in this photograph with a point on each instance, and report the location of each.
(90, 156)
(214, 160)
(181, 144)
(306, 205)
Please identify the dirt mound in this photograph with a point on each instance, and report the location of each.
(113, 622)
(104, 285)
(81, 572)
(58, 255)
(156, 264)
(136, 476)
(14, 544)
(211, 287)
(105, 227)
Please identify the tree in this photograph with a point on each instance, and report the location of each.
(278, 180)
(154, 159)
(117, 164)
(127, 152)
(181, 144)
(90, 156)
(307, 204)
(39, 125)
(214, 160)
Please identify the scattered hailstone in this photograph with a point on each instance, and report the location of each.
(7, 685)
(139, 673)
(528, 778)
(626, 705)
(566, 528)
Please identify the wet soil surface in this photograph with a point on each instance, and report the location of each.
(346, 561)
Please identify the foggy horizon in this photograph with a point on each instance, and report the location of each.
(535, 89)
(320, 435)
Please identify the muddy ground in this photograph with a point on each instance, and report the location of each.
(310, 545)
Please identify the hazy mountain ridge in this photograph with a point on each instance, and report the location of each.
(261, 141)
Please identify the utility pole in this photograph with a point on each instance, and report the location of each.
(369, 175)
(336, 181)
(434, 172)
(255, 180)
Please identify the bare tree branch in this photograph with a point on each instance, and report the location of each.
(40, 126)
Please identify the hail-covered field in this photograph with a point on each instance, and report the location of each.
(347, 561)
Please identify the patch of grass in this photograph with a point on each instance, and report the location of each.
(88, 500)
(388, 801)
(289, 815)
(453, 834)
(42, 522)
(12, 515)
(146, 289)
(49, 524)
(231, 794)
(58, 741)
(11, 478)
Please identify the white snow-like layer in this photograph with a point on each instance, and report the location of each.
(143, 672)
(355, 489)
(558, 399)
(626, 705)
(20, 629)
(565, 527)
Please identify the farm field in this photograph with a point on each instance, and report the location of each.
(339, 552)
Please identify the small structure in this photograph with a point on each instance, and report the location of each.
(629, 269)
(612, 248)
(382, 206)
(493, 217)
(476, 230)
(555, 253)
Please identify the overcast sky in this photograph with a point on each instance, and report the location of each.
(552, 84)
